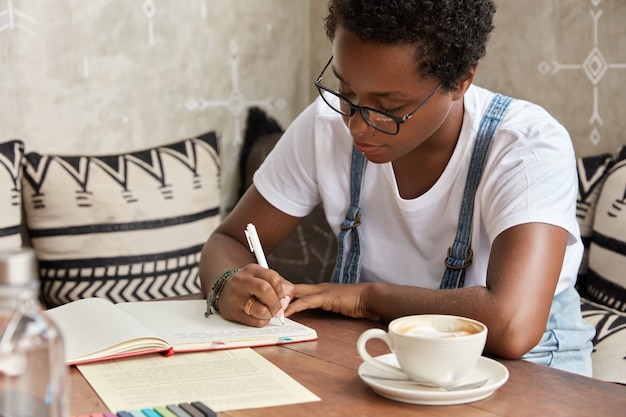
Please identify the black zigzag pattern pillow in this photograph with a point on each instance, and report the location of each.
(591, 175)
(606, 280)
(125, 227)
(11, 154)
(609, 350)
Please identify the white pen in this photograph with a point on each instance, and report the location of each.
(255, 247)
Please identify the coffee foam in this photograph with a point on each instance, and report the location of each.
(438, 330)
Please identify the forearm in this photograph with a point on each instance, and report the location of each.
(220, 254)
(227, 248)
(514, 327)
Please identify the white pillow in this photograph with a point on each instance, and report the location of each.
(11, 154)
(609, 344)
(125, 227)
(591, 174)
(604, 288)
(606, 279)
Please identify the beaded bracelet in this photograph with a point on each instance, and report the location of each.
(214, 295)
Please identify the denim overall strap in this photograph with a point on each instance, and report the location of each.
(460, 253)
(348, 267)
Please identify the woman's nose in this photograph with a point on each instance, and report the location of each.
(356, 124)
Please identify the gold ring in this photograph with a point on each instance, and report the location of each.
(248, 305)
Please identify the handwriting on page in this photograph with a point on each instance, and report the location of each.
(269, 330)
(224, 380)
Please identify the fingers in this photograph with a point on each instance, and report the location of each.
(347, 300)
(254, 295)
(307, 302)
(251, 310)
(303, 290)
(248, 307)
(256, 309)
(296, 306)
(306, 297)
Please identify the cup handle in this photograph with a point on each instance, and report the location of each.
(367, 358)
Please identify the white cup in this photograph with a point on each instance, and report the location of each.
(438, 349)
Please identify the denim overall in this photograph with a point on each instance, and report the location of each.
(566, 343)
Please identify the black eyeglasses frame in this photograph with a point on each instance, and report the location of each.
(364, 110)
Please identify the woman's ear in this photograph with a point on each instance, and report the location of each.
(464, 83)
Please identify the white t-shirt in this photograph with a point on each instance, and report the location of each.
(530, 176)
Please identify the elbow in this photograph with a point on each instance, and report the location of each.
(511, 350)
(513, 342)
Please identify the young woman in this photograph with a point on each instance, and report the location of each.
(461, 208)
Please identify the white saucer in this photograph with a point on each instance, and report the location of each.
(416, 394)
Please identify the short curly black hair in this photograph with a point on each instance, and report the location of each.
(450, 36)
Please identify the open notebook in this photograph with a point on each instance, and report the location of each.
(96, 329)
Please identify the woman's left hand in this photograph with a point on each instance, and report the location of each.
(346, 299)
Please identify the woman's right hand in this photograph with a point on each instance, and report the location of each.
(253, 296)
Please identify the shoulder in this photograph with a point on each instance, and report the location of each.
(525, 125)
(313, 152)
(317, 132)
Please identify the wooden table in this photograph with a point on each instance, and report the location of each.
(328, 368)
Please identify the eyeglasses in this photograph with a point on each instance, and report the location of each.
(379, 120)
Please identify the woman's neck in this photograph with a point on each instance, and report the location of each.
(417, 171)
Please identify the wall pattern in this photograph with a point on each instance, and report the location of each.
(568, 56)
(114, 76)
(102, 77)
(594, 66)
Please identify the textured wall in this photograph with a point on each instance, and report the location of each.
(570, 57)
(116, 75)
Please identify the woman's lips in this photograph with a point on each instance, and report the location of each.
(366, 148)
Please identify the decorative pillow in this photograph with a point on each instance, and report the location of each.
(308, 254)
(591, 175)
(609, 353)
(125, 227)
(606, 279)
(11, 154)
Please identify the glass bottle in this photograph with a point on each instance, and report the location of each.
(33, 374)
